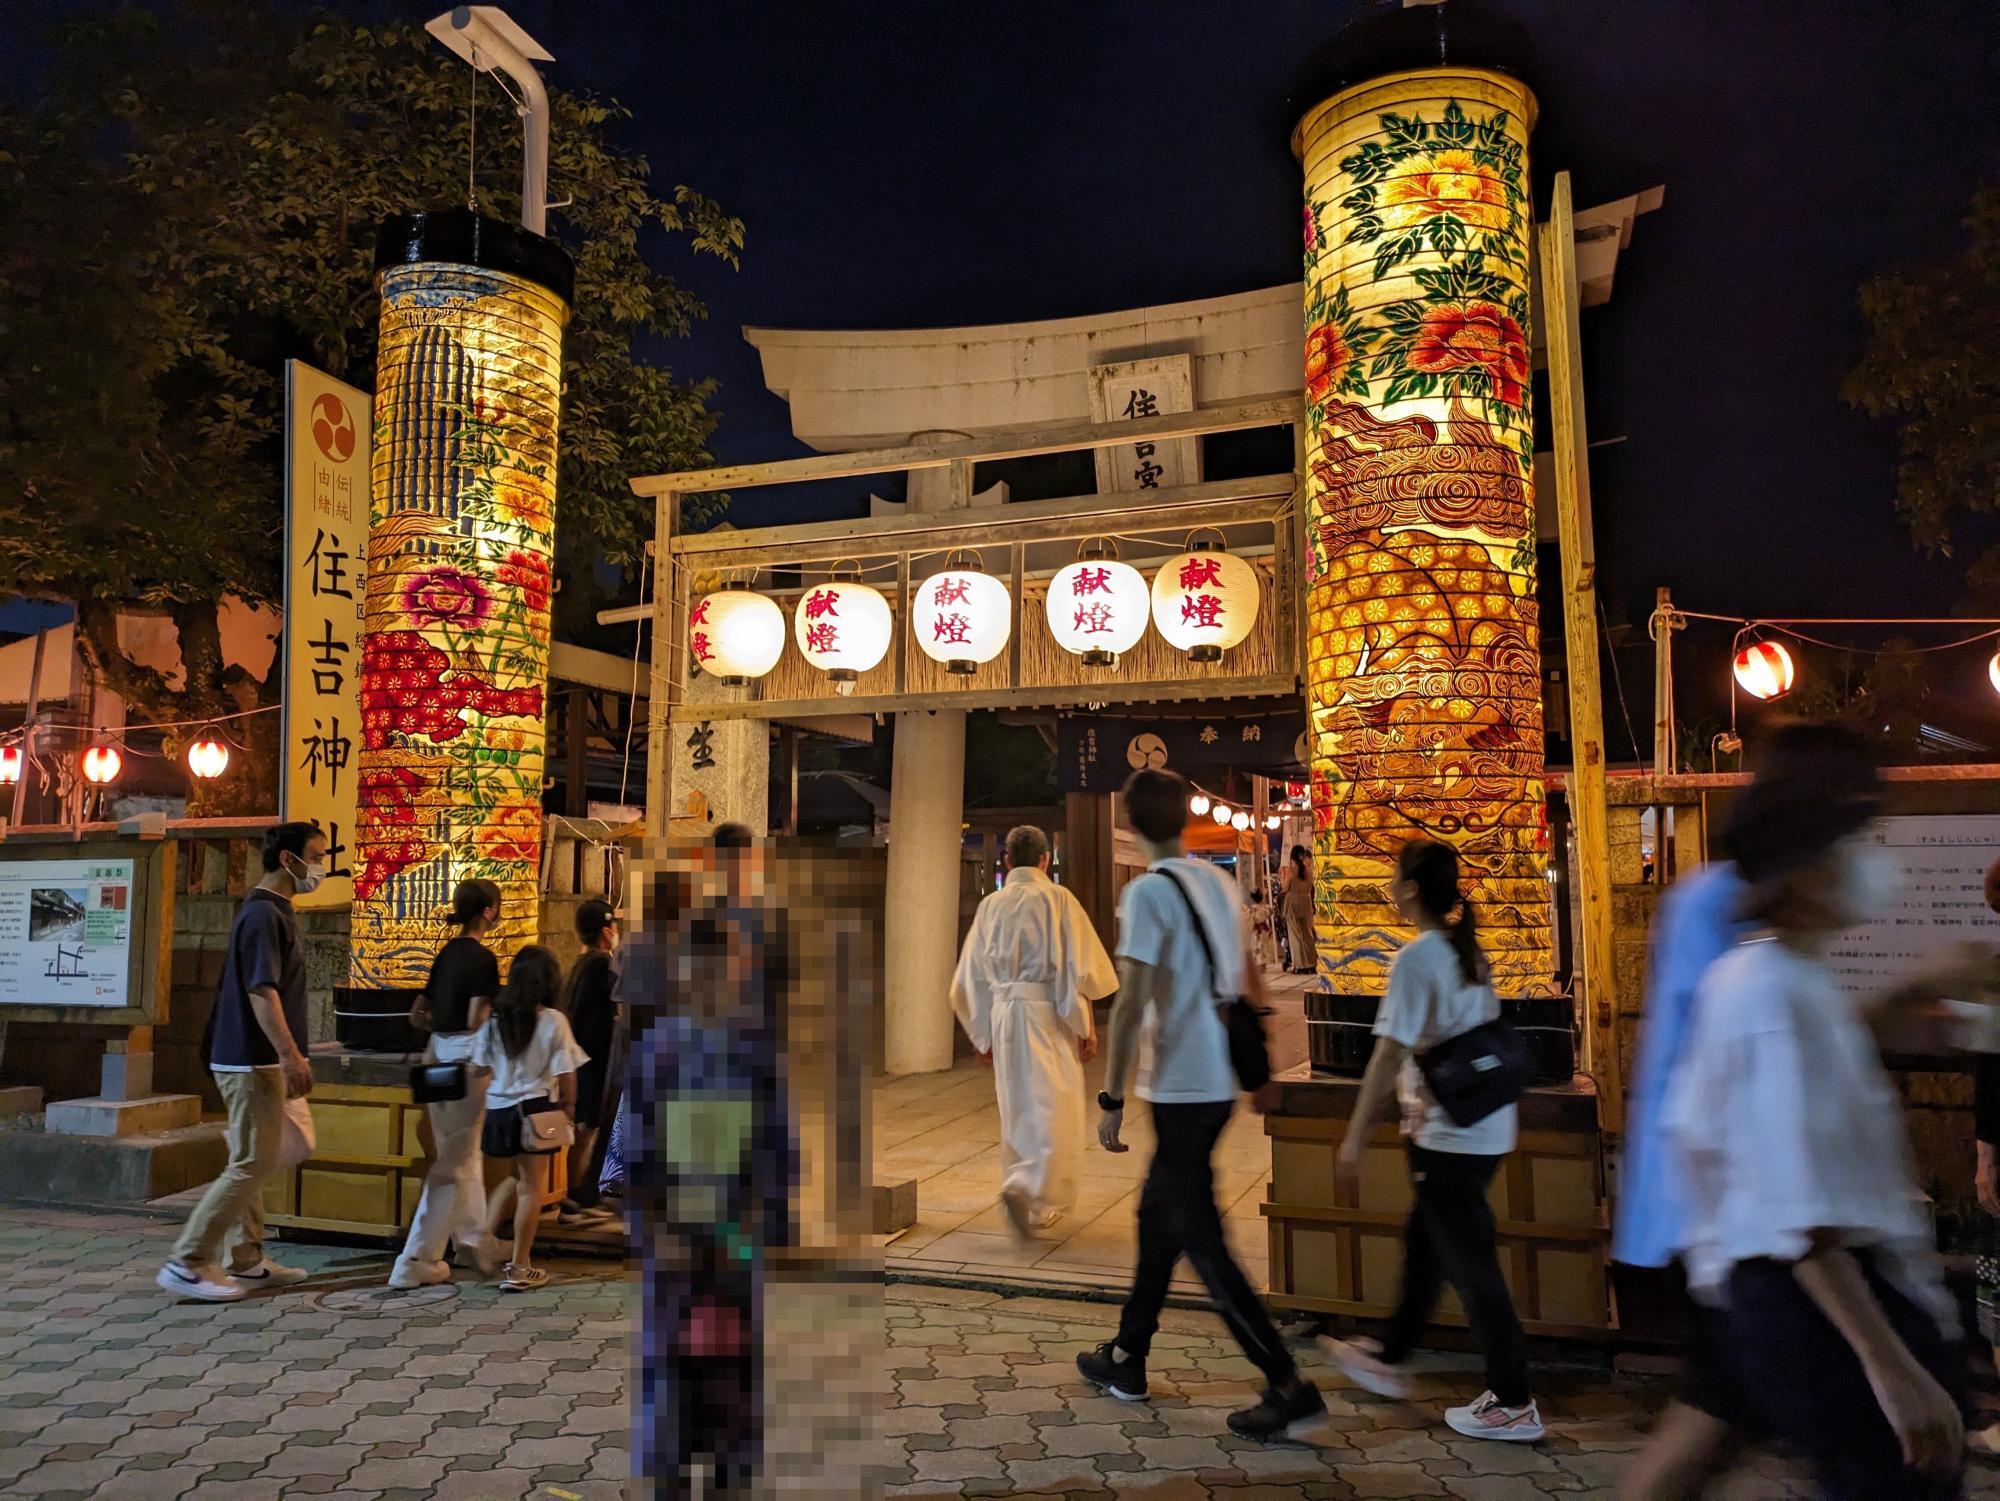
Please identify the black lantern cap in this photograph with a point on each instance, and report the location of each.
(459, 237)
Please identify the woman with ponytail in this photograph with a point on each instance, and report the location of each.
(464, 979)
(1439, 989)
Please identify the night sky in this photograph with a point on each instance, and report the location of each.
(901, 165)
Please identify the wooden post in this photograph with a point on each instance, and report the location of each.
(28, 727)
(1663, 683)
(668, 618)
(576, 734)
(1561, 304)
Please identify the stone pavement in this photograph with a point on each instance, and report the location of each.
(109, 1389)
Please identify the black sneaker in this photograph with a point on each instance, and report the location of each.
(1279, 1416)
(1124, 1379)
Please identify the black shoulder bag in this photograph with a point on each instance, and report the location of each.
(1477, 1072)
(1242, 1022)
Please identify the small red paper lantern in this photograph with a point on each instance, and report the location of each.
(208, 757)
(101, 764)
(11, 762)
(1764, 670)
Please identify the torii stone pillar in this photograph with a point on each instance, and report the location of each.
(926, 820)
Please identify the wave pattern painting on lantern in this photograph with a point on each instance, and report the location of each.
(456, 647)
(1423, 666)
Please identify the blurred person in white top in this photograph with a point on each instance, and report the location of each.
(1030, 968)
(1837, 1335)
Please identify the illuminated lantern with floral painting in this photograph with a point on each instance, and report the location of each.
(1204, 601)
(736, 634)
(963, 616)
(1424, 691)
(843, 627)
(1098, 607)
(449, 754)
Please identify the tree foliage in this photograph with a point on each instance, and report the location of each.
(1932, 363)
(184, 215)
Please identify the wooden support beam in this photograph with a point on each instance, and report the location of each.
(1561, 306)
(1048, 696)
(668, 656)
(1027, 443)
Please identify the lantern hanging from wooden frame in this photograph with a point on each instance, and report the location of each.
(1764, 670)
(736, 633)
(962, 616)
(843, 626)
(1205, 599)
(1097, 606)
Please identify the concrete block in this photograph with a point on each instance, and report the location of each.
(37, 1166)
(20, 1099)
(895, 1206)
(126, 1076)
(98, 1116)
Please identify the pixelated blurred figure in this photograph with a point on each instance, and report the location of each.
(1030, 968)
(710, 1166)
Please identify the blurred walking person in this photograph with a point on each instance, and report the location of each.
(1031, 966)
(1836, 1334)
(1440, 989)
(456, 1000)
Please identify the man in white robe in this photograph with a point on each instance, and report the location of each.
(1031, 967)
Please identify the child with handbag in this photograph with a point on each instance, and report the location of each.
(530, 1056)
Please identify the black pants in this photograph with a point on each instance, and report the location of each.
(1450, 1239)
(1807, 1386)
(1178, 1217)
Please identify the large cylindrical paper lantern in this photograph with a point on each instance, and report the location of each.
(843, 627)
(1097, 609)
(1423, 665)
(962, 618)
(455, 645)
(1204, 602)
(736, 634)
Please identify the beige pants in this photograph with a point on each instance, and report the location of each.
(235, 1200)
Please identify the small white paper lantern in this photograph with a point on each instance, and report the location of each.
(1198, 804)
(962, 618)
(736, 634)
(1098, 608)
(1205, 601)
(1222, 813)
(842, 627)
(1239, 820)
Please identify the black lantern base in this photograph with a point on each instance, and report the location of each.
(735, 680)
(961, 667)
(843, 674)
(1340, 1033)
(1204, 654)
(1097, 656)
(376, 1021)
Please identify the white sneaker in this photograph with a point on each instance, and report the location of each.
(1486, 1418)
(407, 1278)
(207, 1284)
(269, 1273)
(1360, 1361)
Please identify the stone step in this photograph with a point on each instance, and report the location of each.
(97, 1116)
(43, 1167)
(20, 1099)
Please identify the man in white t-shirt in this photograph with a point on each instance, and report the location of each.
(1183, 946)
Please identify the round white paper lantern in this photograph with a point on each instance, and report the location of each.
(842, 627)
(1097, 609)
(1198, 804)
(1239, 820)
(1205, 601)
(962, 618)
(736, 634)
(1222, 813)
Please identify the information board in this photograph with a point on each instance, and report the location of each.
(66, 932)
(1945, 859)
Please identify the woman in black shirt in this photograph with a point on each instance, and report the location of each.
(464, 979)
(592, 1016)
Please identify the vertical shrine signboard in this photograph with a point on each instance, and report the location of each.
(328, 443)
(1125, 392)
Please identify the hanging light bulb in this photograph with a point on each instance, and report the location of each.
(207, 756)
(736, 634)
(1764, 670)
(1097, 606)
(1204, 600)
(1222, 813)
(963, 616)
(11, 762)
(101, 764)
(1198, 804)
(1239, 820)
(843, 626)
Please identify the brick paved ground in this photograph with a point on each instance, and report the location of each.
(108, 1389)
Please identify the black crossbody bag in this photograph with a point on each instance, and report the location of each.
(1242, 1022)
(1477, 1072)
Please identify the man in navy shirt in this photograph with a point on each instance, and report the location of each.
(255, 1046)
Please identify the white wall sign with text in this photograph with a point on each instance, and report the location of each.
(1945, 858)
(66, 932)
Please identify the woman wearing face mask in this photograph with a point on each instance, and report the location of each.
(1836, 1333)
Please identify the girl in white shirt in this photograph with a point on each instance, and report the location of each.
(530, 1059)
(1836, 1332)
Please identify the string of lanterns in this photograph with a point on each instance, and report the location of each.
(1766, 669)
(1203, 601)
(101, 762)
(1225, 815)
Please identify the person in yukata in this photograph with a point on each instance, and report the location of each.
(1030, 969)
(711, 1164)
